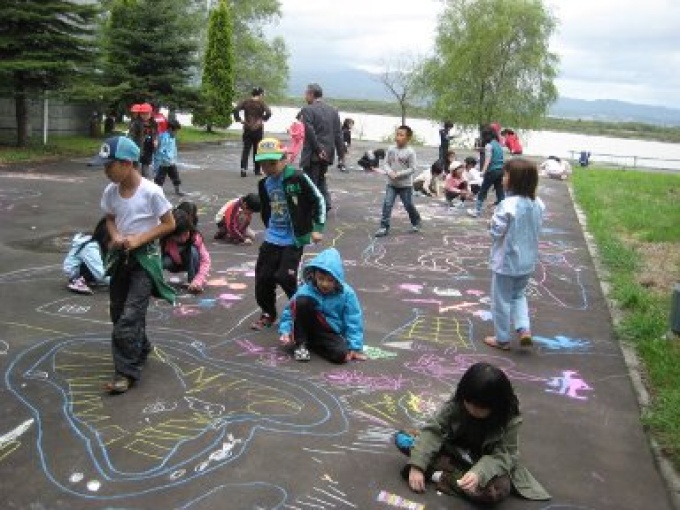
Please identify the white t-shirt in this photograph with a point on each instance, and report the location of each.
(473, 176)
(139, 213)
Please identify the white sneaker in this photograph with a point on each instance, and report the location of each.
(382, 232)
(301, 353)
(473, 213)
(79, 286)
(415, 228)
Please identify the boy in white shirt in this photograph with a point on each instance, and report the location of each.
(137, 214)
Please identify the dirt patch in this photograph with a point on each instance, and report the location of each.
(660, 266)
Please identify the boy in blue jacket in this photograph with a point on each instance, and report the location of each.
(324, 315)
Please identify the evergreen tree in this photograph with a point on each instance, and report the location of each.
(492, 63)
(217, 86)
(151, 45)
(44, 45)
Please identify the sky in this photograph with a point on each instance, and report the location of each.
(626, 50)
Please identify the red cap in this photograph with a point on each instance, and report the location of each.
(145, 108)
(135, 108)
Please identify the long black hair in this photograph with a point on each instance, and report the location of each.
(487, 386)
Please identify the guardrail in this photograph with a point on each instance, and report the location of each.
(623, 161)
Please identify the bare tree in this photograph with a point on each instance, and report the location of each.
(399, 77)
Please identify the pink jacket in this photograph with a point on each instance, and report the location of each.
(171, 249)
(297, 138)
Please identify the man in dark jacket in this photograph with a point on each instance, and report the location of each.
(255, 113)
(323, 138)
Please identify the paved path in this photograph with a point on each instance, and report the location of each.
(223, 419)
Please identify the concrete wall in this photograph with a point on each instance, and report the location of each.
(64, 118)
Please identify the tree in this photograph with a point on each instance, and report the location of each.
(151, 45)
(44, 46)
(217, 86)
(399, 77)
(261, 62)
(492, 63)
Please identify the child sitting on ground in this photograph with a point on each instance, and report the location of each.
(472, 175)
(470, 447)
(370, 161)
(233, 219)
(324, 315)
(430, 182)
(455, 185)
(184, 250)
(84, 264)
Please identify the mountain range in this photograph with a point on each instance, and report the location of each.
(352, 83)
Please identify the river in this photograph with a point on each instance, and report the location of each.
(617, 151)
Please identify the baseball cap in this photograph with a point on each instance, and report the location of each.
(270, 149)
(116, 148)
(145, 108)
(456, 164)
(135, 108)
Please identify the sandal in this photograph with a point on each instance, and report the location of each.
(492, 342)
(265, 321)
(119, 385)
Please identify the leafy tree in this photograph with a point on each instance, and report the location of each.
(44, 45)
(261, 62)
(217, 86)
(492, 62)
(151, 45)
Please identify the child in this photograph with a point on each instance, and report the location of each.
(515, 228)
(297, 138)
(167, 157)
(512, 142)
(555, 168)
(455, 185)
(470, 447)
(492, 169)
(324, 315)
(429, 182)
(137, 214)
(191, 210)
(293, 211)
(450, 160)
(84, 264)
(472, 175)
(233, 219)
(400, 163)
(370, 161)
(184, 250)
(444, 139)
(144, 132)
(347, 126)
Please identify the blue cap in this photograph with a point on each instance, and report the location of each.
(116, 148)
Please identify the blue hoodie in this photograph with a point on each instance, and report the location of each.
(341, 308)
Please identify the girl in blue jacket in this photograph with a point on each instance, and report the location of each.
(324, 315)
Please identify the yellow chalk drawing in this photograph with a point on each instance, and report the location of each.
(8, 448)
(448, 331)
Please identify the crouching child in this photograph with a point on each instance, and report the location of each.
(324, 315)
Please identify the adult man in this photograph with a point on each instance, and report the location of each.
(256, 113)
(323, 138)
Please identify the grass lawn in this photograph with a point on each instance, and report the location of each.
(635, 219)
(71, 146)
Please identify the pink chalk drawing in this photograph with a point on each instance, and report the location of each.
(230, 297)
(237, 286)
(250, 273)
(484, 315)
(447, 292)
(475, 292)
(268, 356)
(446, 369)
(414, 288)
(185, 311)
(398, 502)
(570, 384)
(357, 379)
(216, 282)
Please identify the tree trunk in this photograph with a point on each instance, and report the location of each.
(21, 110)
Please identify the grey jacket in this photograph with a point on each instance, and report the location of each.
(322, 132)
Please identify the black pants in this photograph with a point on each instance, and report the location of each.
(310, 328)
(276, 265)
(129, 292)
(170, 171)
(317, 173)
(491, 178)
(250, 140)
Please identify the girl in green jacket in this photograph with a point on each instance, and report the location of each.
(470, 447)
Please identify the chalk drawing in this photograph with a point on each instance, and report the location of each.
(4, 348)
(569, 385)
(563, 343)
(398, 502)
(378, 353)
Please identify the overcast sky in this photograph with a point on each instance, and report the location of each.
(627, 50)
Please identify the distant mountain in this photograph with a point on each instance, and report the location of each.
(351, 83)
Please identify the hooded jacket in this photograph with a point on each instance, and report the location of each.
(341, 308)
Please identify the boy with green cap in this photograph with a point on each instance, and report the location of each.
(294, 213)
